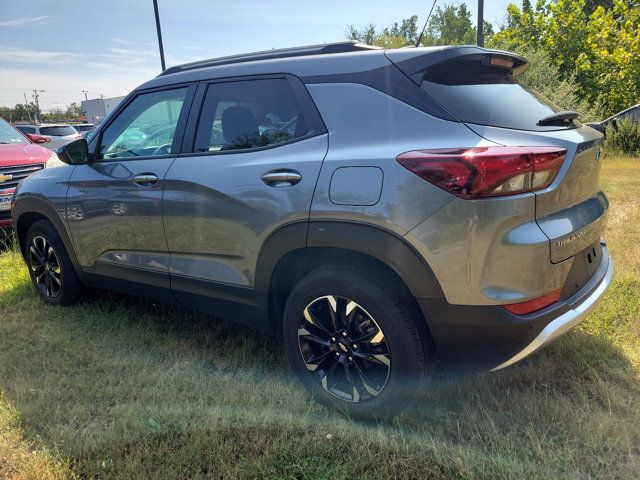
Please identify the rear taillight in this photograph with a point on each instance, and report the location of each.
(486, 171)
(535, 304)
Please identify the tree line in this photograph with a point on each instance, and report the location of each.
(29, 112)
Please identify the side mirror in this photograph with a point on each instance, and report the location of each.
(614, 123)
(74, 153)
(35, 138)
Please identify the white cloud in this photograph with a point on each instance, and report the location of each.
(26, 22)
(25, 55)
(66, 85)
(123, 41)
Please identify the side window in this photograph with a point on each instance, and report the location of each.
(249, 114)
(26, 129)
(146, 127)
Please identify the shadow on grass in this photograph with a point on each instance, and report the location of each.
(121, 387)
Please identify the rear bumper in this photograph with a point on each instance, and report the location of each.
(477, 338)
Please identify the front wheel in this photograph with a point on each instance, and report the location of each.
(356, 341)
(50, 267)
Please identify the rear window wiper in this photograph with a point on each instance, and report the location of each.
(559, 118)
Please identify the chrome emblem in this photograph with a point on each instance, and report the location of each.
(571, 238)
(5, 178)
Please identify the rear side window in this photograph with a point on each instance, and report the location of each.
(249, 114)
(26, 129)
(58, 131)
(486, 95)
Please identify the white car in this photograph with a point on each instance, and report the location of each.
(59, 133)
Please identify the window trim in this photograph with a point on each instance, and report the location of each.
(308, 108)
(180, 125)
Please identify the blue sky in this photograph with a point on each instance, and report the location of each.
(109, 47)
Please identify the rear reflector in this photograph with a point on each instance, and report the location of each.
(486, 171)
(535, 304)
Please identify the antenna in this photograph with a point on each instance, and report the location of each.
(426, 23)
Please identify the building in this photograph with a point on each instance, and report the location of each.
(97, 109)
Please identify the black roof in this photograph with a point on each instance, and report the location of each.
(341, 47)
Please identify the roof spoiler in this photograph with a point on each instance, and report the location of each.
(414, 61)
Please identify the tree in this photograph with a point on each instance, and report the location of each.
(452, 25)
(73, 110)
(600, 51)
(396, 36)
(449, 25)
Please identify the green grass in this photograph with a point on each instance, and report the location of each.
(121, 388)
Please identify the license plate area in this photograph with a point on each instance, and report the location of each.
(5, 202)
(584, 267)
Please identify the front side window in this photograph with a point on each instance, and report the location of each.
(146, 127)
(8, 134)
(249, 114)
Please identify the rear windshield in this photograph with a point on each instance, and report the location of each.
(83, 128)
(58, 131)
(487, 95)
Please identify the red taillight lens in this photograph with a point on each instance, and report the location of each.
(535, 304)
(486, 171)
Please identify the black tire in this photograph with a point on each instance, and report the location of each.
(50, 267)
(393, 311)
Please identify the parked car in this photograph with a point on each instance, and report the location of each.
(384, 210)
(19, 157)
(84, 129)
(58, 134)
(631, 113)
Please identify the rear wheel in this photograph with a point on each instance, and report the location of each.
(50, 267)
(356, 341)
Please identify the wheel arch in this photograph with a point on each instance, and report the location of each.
(296, 249)
(27, 211)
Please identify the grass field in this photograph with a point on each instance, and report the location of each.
(119, 388)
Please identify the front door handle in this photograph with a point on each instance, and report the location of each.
(282, 178)
(145, 179)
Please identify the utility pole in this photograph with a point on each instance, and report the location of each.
(36, 95)
(26, 105)
(155, 9)
(480, 23)
(85, 94)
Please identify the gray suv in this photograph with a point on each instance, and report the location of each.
(386, 210)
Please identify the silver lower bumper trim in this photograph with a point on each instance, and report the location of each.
(563, 323)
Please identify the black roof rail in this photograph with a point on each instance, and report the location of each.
(341, 47)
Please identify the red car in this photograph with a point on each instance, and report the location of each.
(20, 156)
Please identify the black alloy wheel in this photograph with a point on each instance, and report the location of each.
(345, 348)
(45, 266)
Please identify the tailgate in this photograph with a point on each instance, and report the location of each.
(573, 214)
(572, 211)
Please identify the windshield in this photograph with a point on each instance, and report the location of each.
(10, 135)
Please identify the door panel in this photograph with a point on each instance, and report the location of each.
(218, 210)
(112, 219)
(114, 203)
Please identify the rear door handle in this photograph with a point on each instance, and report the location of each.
(145, 179)
(284, 178)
